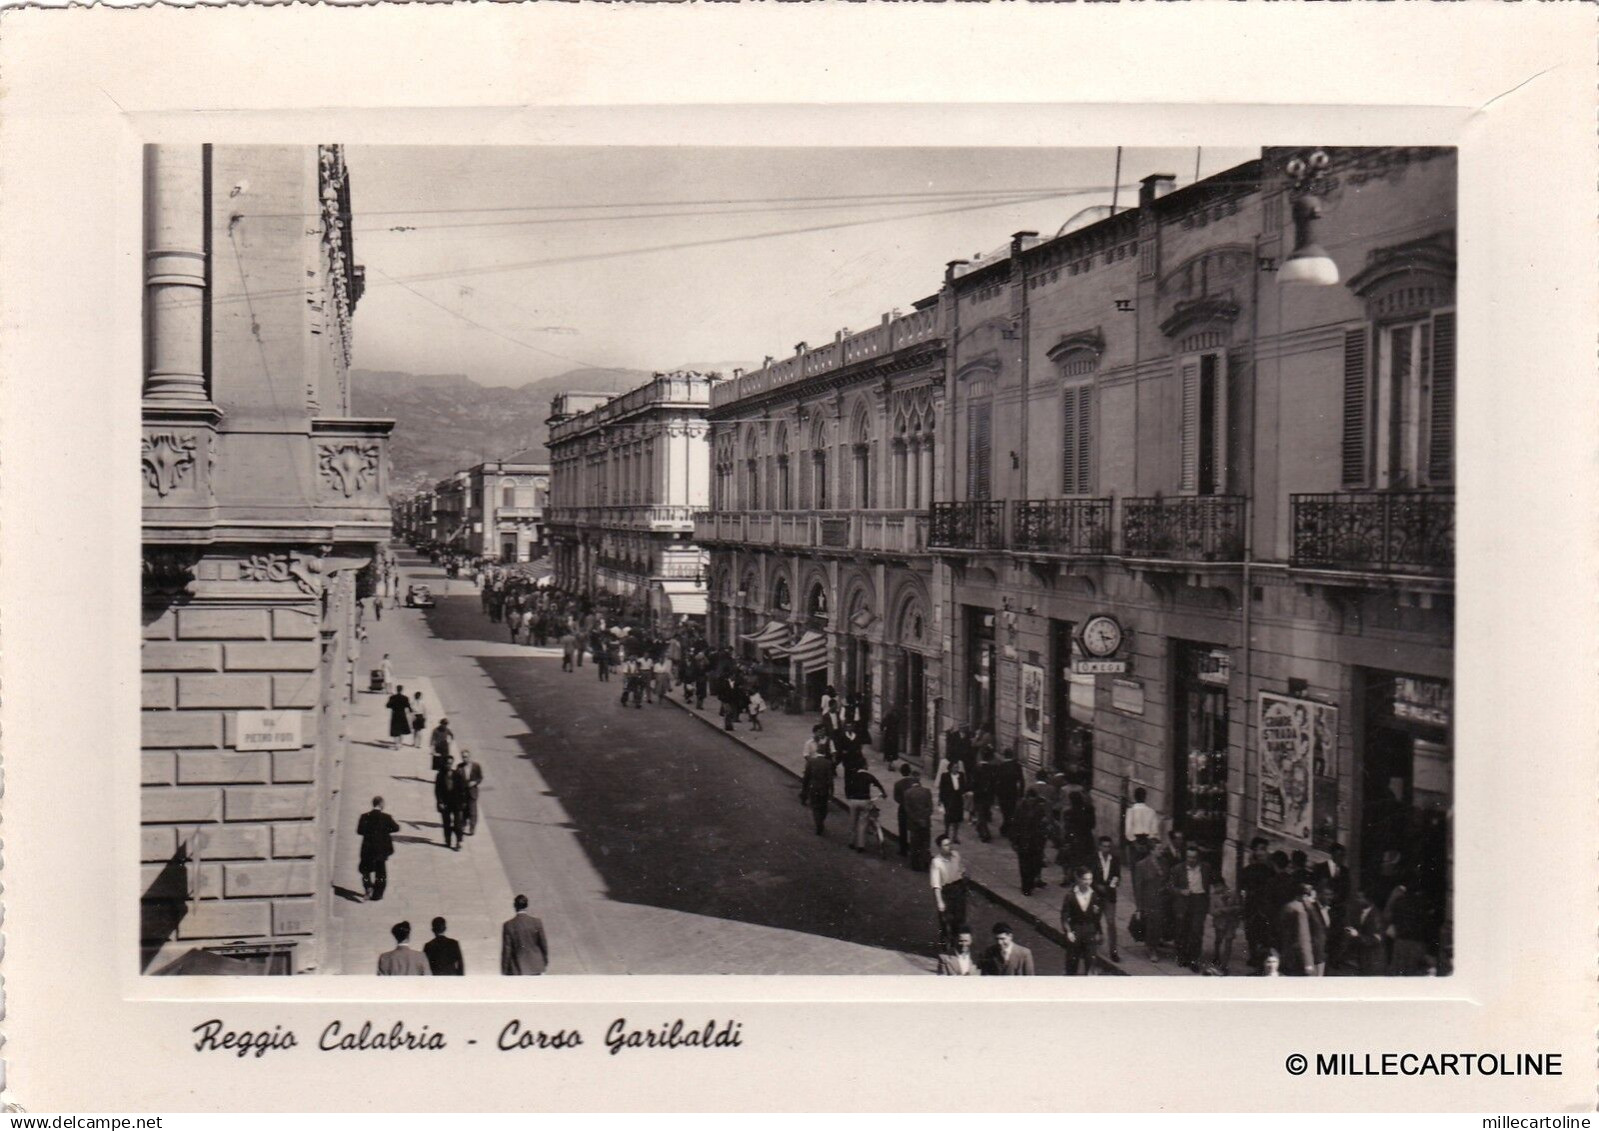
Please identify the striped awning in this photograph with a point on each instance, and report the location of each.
(773, 635)
(809, 652)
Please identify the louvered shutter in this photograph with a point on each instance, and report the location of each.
(1068, 432)
(1188, 370)
(1356, 403)
(977, 452)
(1219, 422)
(1085, 431)
(1441, 424)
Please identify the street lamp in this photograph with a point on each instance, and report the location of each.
(1309, 262)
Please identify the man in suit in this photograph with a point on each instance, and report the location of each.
(1302, 931)
(1333, 873)
(376, 830)
(1254, 882)
(1005, 957)
(1363, 929)
(817, 786)
(1081, 916)
(443, 953)
(919, 821)
(1029, 826)
(469, 776)
(1008, 781)
(402, 959)
(523, 948)
(958, 960)
(1189, 884)
(1106, 871)
(445, 800)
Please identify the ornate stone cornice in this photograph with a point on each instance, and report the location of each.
(1091, 340)
(1199, 312)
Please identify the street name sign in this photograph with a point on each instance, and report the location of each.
(267, 730)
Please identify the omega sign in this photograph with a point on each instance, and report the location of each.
(268, 730)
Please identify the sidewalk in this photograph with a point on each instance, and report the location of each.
(991, 867)
(469, 888)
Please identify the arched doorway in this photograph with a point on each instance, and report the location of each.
(910, 678)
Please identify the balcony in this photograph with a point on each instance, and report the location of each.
(896, 532)
(978, 525)
(1075, 527)
(1400, 532)
(1200, 528)
(626, 516)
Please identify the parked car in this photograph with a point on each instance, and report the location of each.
(419, 597)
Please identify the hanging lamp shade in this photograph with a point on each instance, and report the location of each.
(1309, 262)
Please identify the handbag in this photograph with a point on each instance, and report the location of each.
(1135, 927)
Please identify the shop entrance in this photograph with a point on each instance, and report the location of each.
(1407, 782)
(1201, 673)
(1072, 709)
(980, 668)
(911, 697)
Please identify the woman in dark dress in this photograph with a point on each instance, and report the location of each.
(399, 716)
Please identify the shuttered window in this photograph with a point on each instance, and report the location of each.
(1076, 430)
(1355, 404)
(1441, 409)
(979, 456)
(1188, 371)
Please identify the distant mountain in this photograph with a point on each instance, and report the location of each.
(446, 421)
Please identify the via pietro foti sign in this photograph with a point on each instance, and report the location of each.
(268, 730)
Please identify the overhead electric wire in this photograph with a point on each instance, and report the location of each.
(401, 229)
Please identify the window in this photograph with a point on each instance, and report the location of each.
(979, 454)
(1076, 427)
(1399, 410)
(1204, 423)
(508, 496)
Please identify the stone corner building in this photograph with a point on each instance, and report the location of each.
(264, 504)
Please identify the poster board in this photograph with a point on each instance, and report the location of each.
(1298, 745)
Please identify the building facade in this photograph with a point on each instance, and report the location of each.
(506, 503)
(1198, 536)
(627, 475)
(265, 504)
(825, 466)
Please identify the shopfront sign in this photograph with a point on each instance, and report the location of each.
(267, 730)
(1127, 696)
(1099, 667)
(1422, 700)
(1298, 742)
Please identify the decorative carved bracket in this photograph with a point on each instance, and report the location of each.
(351, 467)
(168, 460)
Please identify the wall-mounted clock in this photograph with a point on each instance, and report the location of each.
(1101, 636)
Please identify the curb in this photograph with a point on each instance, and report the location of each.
(1048, 930)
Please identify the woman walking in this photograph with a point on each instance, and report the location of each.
(419, 720)
(399, 717)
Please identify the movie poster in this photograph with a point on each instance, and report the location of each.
(1298, 743)
(1032, 702)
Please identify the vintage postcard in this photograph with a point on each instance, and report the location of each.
(739, 552)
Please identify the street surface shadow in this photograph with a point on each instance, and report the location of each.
(673, 815)
(346, 893)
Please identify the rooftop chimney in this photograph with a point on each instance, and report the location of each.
(949, 268)
(1155, 186)
(1018, 242)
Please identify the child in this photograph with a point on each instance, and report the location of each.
(757, 705)
(1226, 913)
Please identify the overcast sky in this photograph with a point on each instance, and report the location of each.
(469, 287)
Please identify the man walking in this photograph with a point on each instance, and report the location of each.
(1005, 957)
(1254, 880)
(523, 947)
(1081, 916)
(443, 953)
(983, 779)
(1008, 782)
(1302, 929)
(948, 876)
(444, 799)
(470, 775)
(1141, 825)
(1189, 884)
(817, 786)
(376, 830)
(1029, 826)
(958, 960)
(858, 785)
(900, 787)
(1106, 870)
(919, 820)
(402, 960)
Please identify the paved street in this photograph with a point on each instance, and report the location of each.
(647, 842)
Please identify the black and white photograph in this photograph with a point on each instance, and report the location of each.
(594, 557)
(628, 560)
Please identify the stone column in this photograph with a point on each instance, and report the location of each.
(175, 273)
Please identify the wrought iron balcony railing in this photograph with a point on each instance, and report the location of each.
(1197, 528)
(1376, 531)
(977, 525)
(1061, 526)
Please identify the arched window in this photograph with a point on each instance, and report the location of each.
(818, 469)
(781, 601)
(862, 486)
(782, 483)
(816, 604)
(752, 471)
